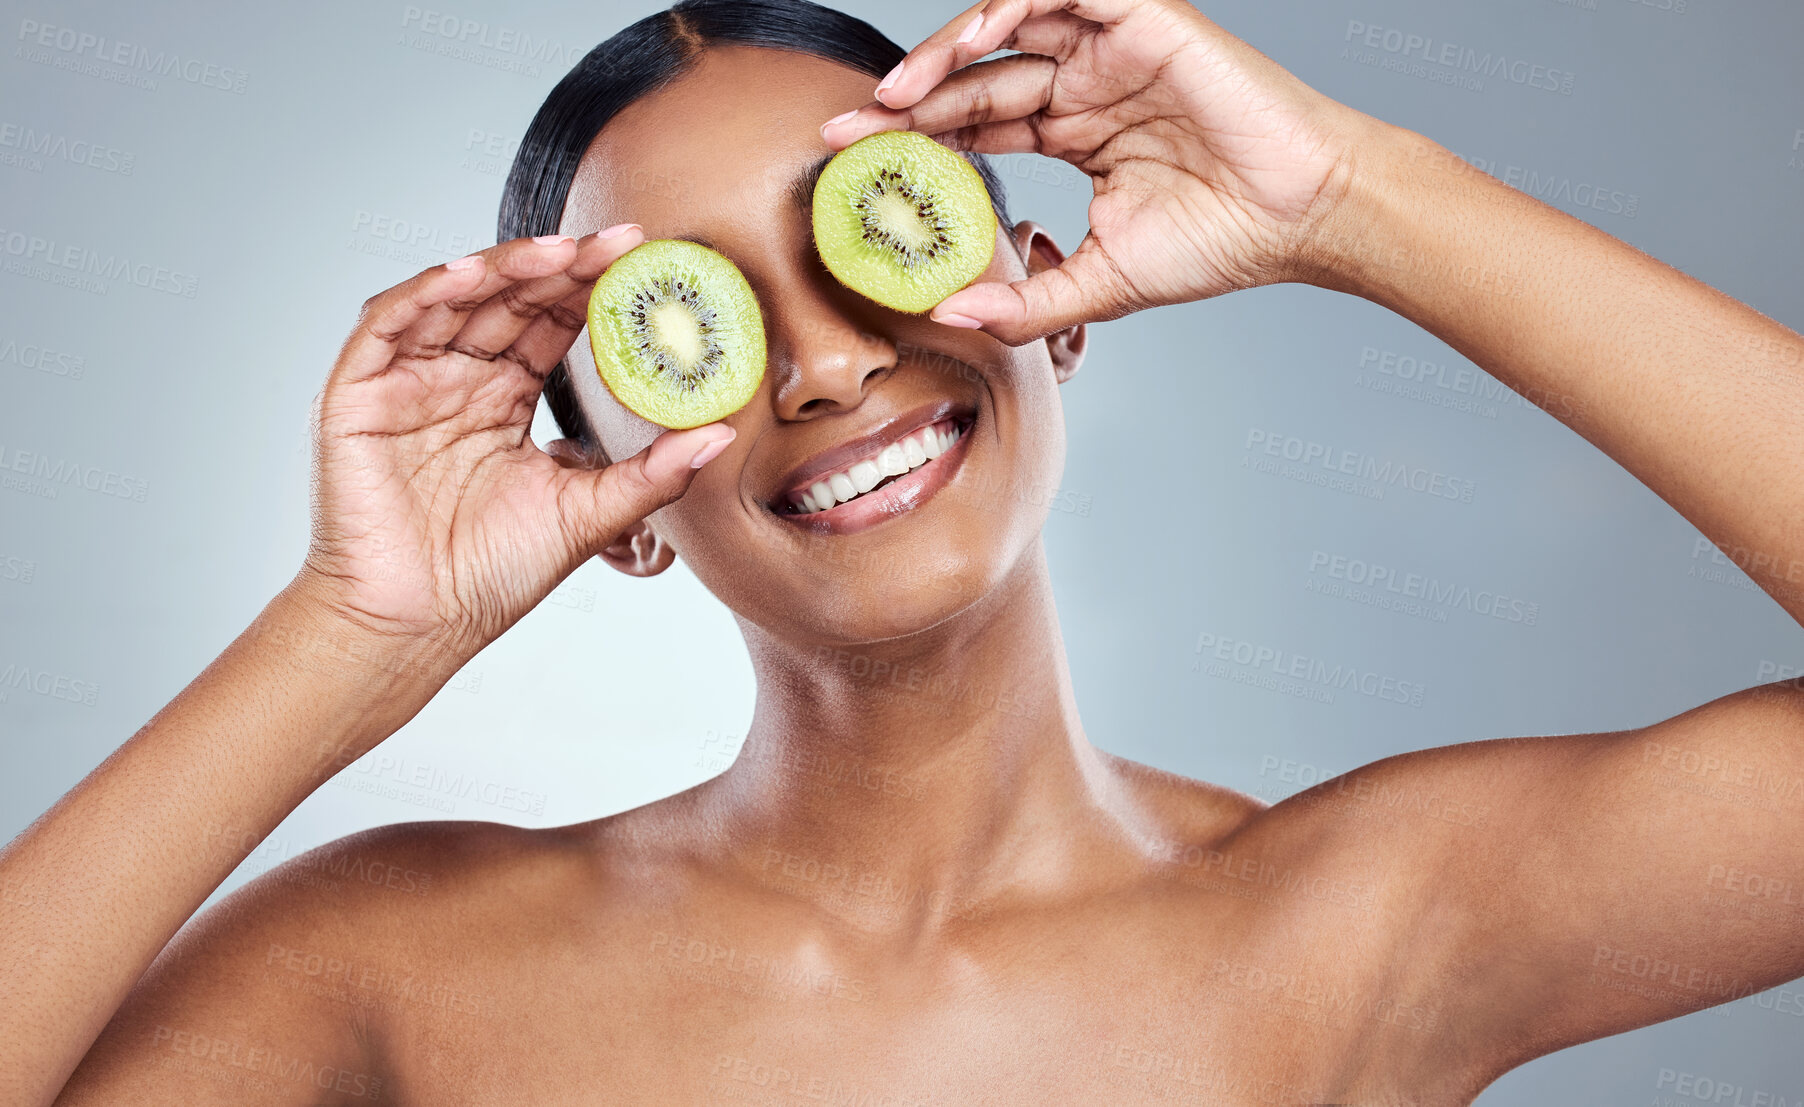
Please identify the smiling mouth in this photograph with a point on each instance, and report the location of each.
(893, 469)
(898, 459)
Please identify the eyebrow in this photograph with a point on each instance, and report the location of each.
(801, 190)
(698, 240)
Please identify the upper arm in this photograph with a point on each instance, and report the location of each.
(1627, 877)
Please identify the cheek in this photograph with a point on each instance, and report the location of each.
(707, 525)
(1026, 395)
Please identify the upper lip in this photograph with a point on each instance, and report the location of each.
(867, 445)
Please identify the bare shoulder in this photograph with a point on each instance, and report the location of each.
(384, 891)
(295, 980)
(448, 890)
(1549, 889)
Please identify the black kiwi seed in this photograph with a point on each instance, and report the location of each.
(675, 370)
(892, 182)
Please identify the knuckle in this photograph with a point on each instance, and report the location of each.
(567, 317)
(982, 103)
(513, 357)
(466, 349)
(515, 300)
(635, 487)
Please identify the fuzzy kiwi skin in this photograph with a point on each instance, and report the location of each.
(962, 202)
(739, 330)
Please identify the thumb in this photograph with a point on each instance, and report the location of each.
(597, 504)
(1084, 288)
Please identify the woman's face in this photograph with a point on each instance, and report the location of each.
(717, 157)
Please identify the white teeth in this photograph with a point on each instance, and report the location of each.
(893, 460)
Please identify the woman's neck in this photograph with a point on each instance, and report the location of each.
(919, 779)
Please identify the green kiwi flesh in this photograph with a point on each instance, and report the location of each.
(903, 220)
(677, 334)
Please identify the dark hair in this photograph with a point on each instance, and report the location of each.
(646, 56)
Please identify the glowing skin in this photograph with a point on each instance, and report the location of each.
(920, 882)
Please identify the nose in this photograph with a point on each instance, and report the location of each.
(823, 361)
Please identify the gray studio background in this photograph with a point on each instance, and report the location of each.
(352, 144)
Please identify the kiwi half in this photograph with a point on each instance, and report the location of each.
(677, 334)
(903, 220)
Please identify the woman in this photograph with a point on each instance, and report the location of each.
(1009, 914)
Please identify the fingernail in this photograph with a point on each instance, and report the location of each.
(551, 239)
(838, 119)
(616, 230)
(711, 450)
(891, 79)
(954, 319)
(462, 263)
(971, 29)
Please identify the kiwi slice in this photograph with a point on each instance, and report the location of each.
(677, 334)
(903, 220)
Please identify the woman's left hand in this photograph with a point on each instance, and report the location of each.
(1212, 165)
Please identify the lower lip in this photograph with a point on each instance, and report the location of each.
(900, 496)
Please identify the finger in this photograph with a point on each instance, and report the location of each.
(597, 504)
(547, 339)
(1015, 136)
(1084, 288)
(1014, 87)
(977, 32)
(508, 264)
(387, 316)
(504, 317)
(414, 318)
(1055, 35)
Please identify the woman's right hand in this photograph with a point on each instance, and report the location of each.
(436, 519)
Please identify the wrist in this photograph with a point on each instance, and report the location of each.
(376, 680)
(1362, 241)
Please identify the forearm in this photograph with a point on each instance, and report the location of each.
(98, 885)
(1696, 394)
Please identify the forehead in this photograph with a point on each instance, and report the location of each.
(717, 145)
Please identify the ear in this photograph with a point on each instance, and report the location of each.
(1039, 253)
(638, 551)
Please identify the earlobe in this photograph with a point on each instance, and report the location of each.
(1039, 253)
(639, 551)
